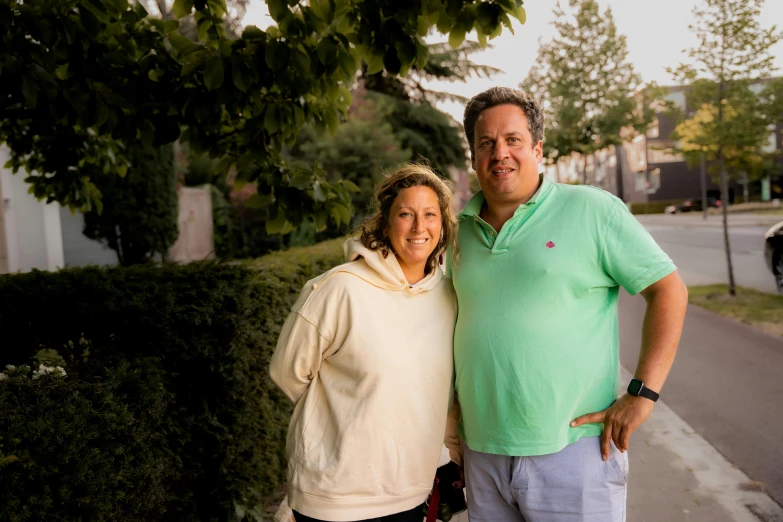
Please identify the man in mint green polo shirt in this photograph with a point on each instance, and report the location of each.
(536, 344)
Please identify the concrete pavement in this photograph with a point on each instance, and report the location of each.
(695, 219)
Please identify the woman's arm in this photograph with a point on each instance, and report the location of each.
(298, 356)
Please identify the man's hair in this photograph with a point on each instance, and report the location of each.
(503, 96)
(373, 230)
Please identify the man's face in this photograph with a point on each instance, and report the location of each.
(505, 157)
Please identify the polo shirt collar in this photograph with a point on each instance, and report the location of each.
(473, 207)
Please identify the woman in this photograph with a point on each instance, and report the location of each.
(366, 356)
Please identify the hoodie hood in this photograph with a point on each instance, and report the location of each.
(386, 273)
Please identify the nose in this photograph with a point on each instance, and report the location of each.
(500, 151)
(415, 225)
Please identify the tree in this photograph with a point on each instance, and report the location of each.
(81, 77)
(584, 83)
(732, 53)
(747, 121)
(360, 151)
(139, 217)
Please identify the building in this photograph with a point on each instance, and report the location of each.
(647, 168)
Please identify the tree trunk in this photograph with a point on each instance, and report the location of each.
(724, 195)
(165, 14)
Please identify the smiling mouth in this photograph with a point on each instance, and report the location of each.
(502, 171)
(417, 241)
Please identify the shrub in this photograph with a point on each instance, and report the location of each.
(208, 331)
(86, 451)
(139, 214)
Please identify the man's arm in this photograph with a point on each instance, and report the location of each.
(667, 301)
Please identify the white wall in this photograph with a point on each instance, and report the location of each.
(78, 249)
(33, 233)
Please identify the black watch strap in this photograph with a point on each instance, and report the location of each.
(638, 389)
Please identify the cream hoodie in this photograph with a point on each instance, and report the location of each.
(367, 360)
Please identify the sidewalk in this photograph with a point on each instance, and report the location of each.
(696, 219)
(677, 476)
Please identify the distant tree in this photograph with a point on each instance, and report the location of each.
(360, 151)
(733, 51)
(139, 216)
(747, 120)
(585, 84)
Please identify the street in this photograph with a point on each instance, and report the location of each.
(697, 248)
(726, 380)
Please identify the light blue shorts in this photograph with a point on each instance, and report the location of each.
(572, 485)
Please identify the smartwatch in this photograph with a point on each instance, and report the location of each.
(638, 389)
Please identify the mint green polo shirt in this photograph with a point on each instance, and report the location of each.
(536, 341)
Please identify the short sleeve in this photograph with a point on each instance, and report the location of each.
(630, 255)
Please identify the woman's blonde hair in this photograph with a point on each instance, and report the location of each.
(373, 229)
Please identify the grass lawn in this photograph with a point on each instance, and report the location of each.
(770, 211)
(759, 309)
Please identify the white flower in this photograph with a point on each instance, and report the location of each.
(45, 370)
(10, 367)
(3, 376)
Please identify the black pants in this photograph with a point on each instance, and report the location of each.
(414, 515)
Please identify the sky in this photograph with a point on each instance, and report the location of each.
(657, 32)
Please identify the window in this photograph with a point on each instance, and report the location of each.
(661, 153)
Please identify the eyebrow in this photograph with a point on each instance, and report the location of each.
(506, 135)
(426, 208)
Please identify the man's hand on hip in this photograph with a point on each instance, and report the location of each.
(620, 420)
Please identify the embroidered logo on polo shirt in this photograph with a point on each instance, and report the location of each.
(550, 245)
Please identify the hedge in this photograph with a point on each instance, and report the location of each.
(166, 392)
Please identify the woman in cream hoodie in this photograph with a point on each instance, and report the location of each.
(366, 356)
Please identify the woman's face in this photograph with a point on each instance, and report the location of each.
(415, 225)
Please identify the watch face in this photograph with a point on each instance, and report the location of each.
(635, 387)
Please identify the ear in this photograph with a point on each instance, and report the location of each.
(538, 150)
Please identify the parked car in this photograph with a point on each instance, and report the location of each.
(773, 252)
(692, 205)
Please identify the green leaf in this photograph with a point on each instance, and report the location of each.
(277, 225)
(319, 220)
(271, 119)
(213, 73)
(182, 8)
(326, 50)
(154, 74)
(258, 201)
(101, 111)
(520, 14)
(347, 64)
(374, 63)
(278, 9)
(301, 61)
(251, 32)
(276, 55)
(319, 194)
(340, 213)
(30, 91)
(181, 44)
(456, 37)
(350, 185)
(170, 26)
(240, 75)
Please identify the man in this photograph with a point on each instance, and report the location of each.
(536, 343)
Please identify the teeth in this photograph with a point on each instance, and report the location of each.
(417, 241)
(502, 171)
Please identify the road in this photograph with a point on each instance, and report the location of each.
(699, 254)
(727, 380)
